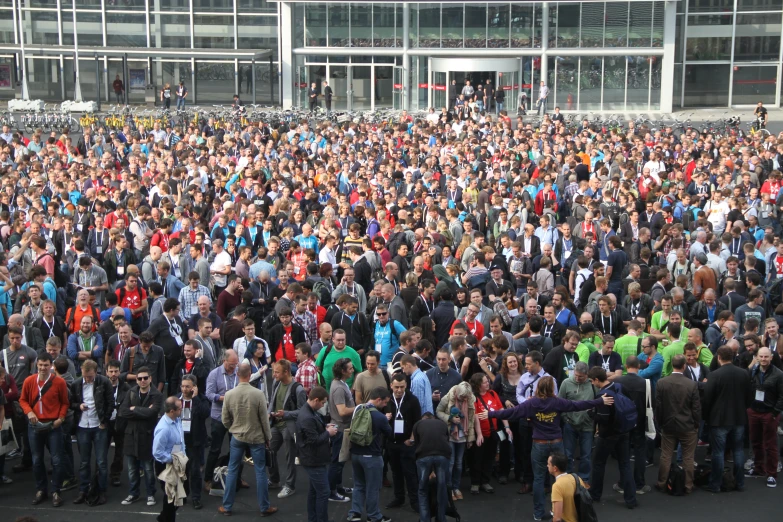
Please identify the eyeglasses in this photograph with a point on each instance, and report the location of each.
(138, 378)
(382, 314)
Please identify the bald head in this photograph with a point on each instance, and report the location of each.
(16, 320)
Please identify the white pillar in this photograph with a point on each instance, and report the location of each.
(287, 53)
(406, 59)
(544, 49)
(667, 61)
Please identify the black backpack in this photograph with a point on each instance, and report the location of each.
(451, 508)
(269, 322)
(583, 502)
(675, 484)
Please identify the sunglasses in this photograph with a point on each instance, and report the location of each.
(142, 378)
(384, 314)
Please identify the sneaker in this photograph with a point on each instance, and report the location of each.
(286, 492)
(130, 499)
(274, 485)
(384, 518)
(771, 482)
(643, 490)
(617, 488)
(249, 461)
(748, 464)
(344, 491)
(702, 444)
(486, 488)
(474, 490)
(752, 473)
(57, 500)
(6, 480)
(457, 494)
(503, 480)
(150, 501)
(353, 517)
(14, 454)
(336, 497)
(650, 464)
(545, 517)
(69, 484)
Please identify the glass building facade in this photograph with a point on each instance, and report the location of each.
(614, 57)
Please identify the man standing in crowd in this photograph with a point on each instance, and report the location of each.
(288, 397)
(763, 416)
(195, 411)
(405, 411)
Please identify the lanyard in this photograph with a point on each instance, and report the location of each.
(174, 329)
(603, 324)
(225, 381)
(50, 327)
(40, 394)
(429, 311)
(548, 333)
(99, 239)
(399, 406)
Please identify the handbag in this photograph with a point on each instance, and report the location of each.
(8, 441)
(649, 429)
(345, 449)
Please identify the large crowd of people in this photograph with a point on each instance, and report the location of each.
(456, 295)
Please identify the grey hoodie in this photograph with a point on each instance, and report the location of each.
(573, 391)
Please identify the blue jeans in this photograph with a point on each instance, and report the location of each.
(367, 482)
(38, 442)
(134, 465)
(336, 467)
(539, 457)
(180, 103)
(498, 107)
(604, 447)
(572, 439)
(317, 493)
(425, 465)
(719, 438)
(541, 106)
(99, 438)
(262, 486)
(455, 464)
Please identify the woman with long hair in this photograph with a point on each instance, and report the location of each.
(457, 409)
(483, 456)
(427, 326)
(543, 410)
(505, 386)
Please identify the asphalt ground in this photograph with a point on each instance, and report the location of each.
(757, 502)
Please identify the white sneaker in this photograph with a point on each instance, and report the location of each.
(150, 501)
(748, 464)
(285, 492)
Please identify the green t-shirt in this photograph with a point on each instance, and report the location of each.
(675, 348)
(705, 355)
(584, 349)
(626, 346)
(348, 352)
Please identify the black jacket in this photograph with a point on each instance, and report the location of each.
(727, 396)
(358, 334)
(200, 371)
(122, 391)
(312, 440)
(646, 305)
(699, 313)
(443, 315)
(421, 309)
(363, 275)
(410, 414)
(772, 388)
(554, 332)
(276, 335)
(141, 421)
(555, 362)
(103, 393)
(199, 413)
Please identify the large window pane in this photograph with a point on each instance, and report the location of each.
(169, 5)
(475, 25)
(757, 37)
(521, 25)
(170, 30)
(44, 79)
(592, 34)
(655, 83)
(339, 16)
(567, 74)
(452, 31)
(6, 30)
(590, 79)
(315, 24)
(567, 24)
(616, 34)
(677, 90)
(213, 6)
(125, 30)
(714, 6)
(91, 30)
(614, 83)
(125, 5)
(43, 25)
(759, 5)
(637, 85)
(383, 25)
(707, 85)
(498, 18)
(679, 37)
(258, 32)
(429, 25)
(361, 25)
(657, 29)
(754, 84)
(256, 6)
(213, 31)
(709, 37)
(214, 82)
(399, 23)
(640, 24)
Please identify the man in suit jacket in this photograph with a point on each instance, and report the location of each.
(678, 409)
(726, 400)
(531, 245)
(732, 300)
(361, 269)
(629, 232)
(98, 240)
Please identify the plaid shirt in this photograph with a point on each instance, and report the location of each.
(570, 191)
(188, 299)
(306, 375)
(309, 322)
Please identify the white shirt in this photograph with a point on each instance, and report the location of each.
(90, 416)
(327, 256)
(222, 260)
(240, 346)
(716, 214)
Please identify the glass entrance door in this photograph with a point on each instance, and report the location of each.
(300, 86)
(508, 82)
(439, 90)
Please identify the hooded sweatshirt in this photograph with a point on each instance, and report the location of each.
(574, 391)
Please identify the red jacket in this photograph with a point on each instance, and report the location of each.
(54, 404)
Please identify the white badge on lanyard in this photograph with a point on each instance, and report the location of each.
(760, 395)
(186, 418)
(399, 422)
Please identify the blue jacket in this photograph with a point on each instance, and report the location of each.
(653, 370)
(74, 347)
(385, 341)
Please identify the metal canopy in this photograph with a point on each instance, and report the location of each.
(155, 52)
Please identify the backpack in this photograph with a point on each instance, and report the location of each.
(613, 215)
(319, 370)
(96, 320)
(585, 510)
(61, 279)
(675, 484)
(324, 296)
(361, 424)
(775, 291)
(625, 414)
(269, 322)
